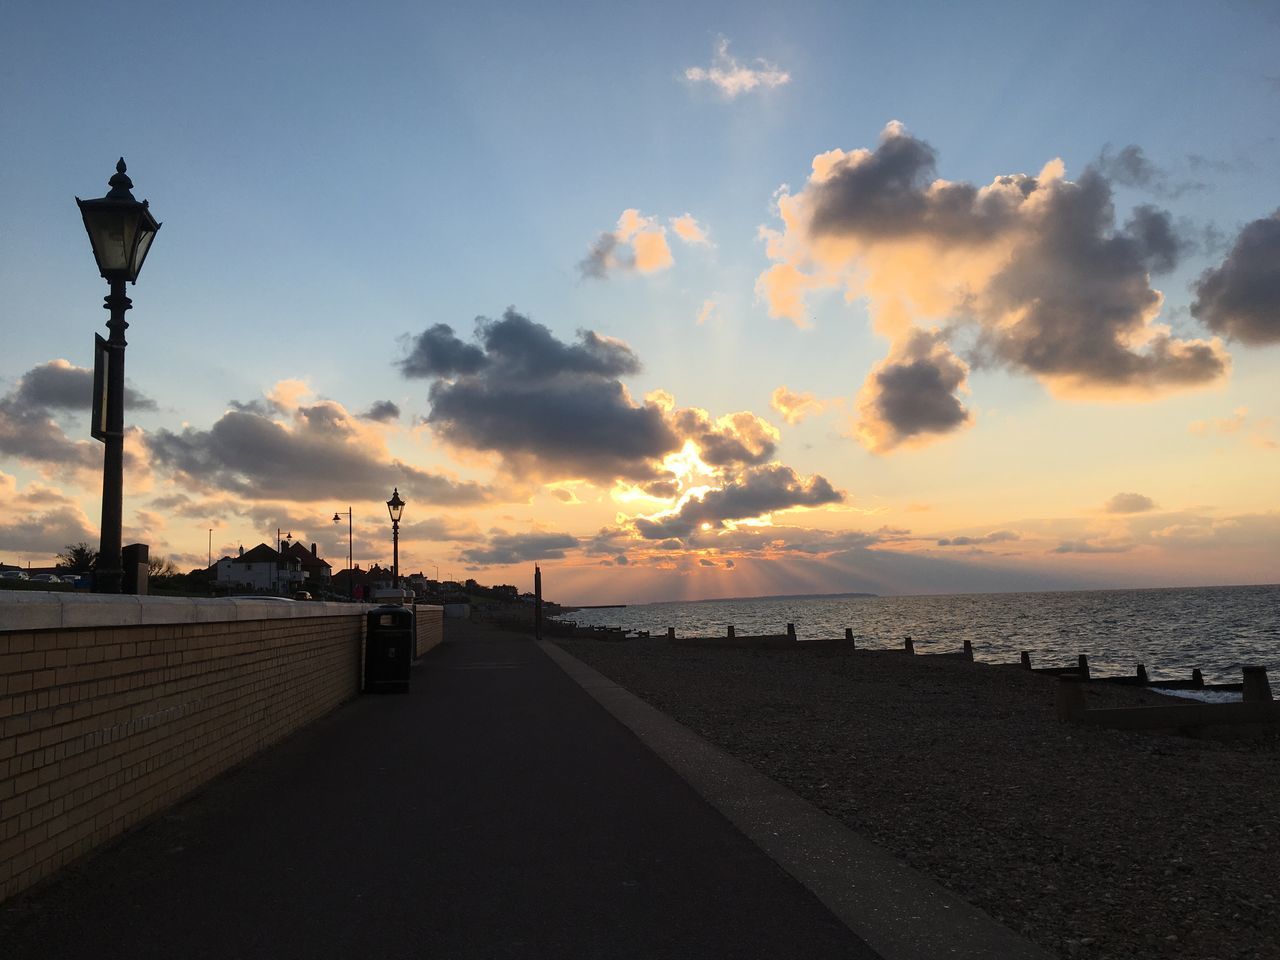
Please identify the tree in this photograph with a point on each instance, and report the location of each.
(161, 566)
(78, 558)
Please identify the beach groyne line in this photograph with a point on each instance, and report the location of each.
(1256, 708)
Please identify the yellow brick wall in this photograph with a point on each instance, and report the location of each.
(430, 626)
(102, 727)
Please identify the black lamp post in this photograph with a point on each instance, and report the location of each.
(351, 593)
(395, 507)
(120, 230)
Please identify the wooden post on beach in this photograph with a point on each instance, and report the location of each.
(848, 635)
(791, 631)
(1256, 686)
(1026, 660)
(908, 645)
(1197, 677)
(671, 633)
(1084, 667)
(1070, 697)
(1142, 675)
(968, 650)
(730, 634)
(537, 602)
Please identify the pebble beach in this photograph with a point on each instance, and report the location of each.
(1093, 843)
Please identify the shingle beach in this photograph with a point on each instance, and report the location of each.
(1093, 843)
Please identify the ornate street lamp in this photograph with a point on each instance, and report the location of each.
(395, 507)
(120, 231)
(337, 518)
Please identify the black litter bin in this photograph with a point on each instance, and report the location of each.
(388, 649)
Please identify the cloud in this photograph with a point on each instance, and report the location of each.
(1084, 546)
(504, 548)
(29, 430)
(707, 311)
(732, 78)
(1129, 167)
(60, 385)
(910, 397)
(40, 520)
(320, 451)
(1258, 429)
(639, 243)
(690, 230)
(793, 406)
(996, 536)
(382, 411)
(757, 492)
(1241, 297)
(1035, 267)
(1129, 503)
(736, 438)
(546, 406)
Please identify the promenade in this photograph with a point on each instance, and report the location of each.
(495, 811)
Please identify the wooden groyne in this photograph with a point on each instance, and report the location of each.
(1256, 708)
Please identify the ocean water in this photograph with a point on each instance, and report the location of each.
(1170, 631)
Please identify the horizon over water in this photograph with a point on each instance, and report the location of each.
(1170, 630)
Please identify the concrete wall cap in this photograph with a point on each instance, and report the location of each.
(49, 610)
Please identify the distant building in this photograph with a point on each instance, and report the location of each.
(260, 570)
(314, 570)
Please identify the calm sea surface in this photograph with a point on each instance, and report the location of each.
(1169, 631)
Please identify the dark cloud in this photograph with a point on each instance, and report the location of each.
(441, 529)
(1084, 546)
(382, 411)
(506, 548)
(1082, 296)
(737, 439)
(29, 433)
(595, 265)
(1129, 503)
(437, 352)
(1130, 167)
(996, 536)
(889, 193)
(1241, 297)
(912, 394)
(44, 532)
(546, 405)
(321, 456)
(58, 385)
(261, 407)
(758, 491)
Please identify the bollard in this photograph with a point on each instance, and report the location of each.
(671, 633)
(1070, 698)
(1197, 677)
(848, 635)
(791, 631)
(730, 634)
(1142, 675)
(1026, 660)
(908, 645)
(1257, 689)
(968, 650)
(1084, 667)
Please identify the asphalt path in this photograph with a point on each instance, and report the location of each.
(496, 810)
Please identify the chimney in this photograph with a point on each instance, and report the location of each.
(313, 549)
(242, 549)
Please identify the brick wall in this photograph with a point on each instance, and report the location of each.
(430, 625)
(101, 727)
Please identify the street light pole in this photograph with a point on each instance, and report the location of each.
(350, 574)
(395, 507)
(120, 230)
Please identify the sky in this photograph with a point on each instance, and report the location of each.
(677, 301)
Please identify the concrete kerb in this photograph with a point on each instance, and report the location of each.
(898, 912)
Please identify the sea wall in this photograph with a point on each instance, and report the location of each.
(114, 708)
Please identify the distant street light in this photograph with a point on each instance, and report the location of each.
(120, 231)
(350, 576)
(395, 507)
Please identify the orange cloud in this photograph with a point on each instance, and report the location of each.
(794, 407)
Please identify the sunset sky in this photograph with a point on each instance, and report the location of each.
(677, 300)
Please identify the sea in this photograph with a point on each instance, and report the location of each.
(1169, 631)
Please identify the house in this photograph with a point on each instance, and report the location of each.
(260, 570)
(314, 570)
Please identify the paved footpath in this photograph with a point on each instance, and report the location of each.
(497, 810)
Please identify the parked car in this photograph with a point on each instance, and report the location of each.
(48, 578)
(302, 595)
(14, 575)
